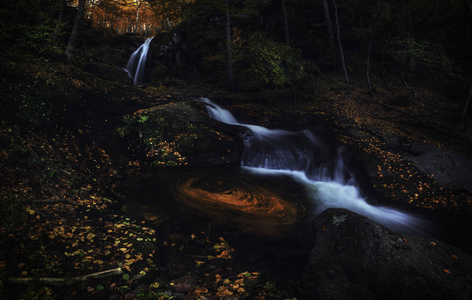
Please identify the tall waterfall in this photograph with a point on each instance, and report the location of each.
(297, 154)
(137, 61)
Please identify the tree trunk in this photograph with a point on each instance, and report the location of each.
(411, 59)
(469, 6)
(339, 41)
(287, 35)
(57, 29)
(369, 84)
(138, 4)
(465, 108)
(329, 26)
(228, 47)
(75, 29)
(467, 100)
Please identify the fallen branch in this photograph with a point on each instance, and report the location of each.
(67, 281)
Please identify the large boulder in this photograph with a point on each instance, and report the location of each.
(179, 133)
(356, 258)
(450, 170)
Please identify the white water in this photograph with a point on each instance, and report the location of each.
(329, 184)
(137, 61)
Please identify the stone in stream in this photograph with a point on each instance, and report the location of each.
(356, 258)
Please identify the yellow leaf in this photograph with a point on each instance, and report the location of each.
(198, 262)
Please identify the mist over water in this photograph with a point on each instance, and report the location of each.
(304, 157)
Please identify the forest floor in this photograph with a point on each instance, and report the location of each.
(61, 220)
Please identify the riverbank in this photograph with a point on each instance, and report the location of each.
(62, 219)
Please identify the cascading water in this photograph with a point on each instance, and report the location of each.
(303, 157)
(137, 61)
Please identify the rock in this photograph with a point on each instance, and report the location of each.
(449, 169)
(105, 71)
(355, 258)
(128, 296)
(180, 296)
(179, 133)
(184, 284)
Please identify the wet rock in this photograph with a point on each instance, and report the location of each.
(355, 258)
(449, 169)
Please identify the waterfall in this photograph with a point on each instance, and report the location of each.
(306, 159)
(137, 61)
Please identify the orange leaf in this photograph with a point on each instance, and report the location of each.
(447, 271)
(454, 256)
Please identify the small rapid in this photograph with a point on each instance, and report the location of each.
(303, 157)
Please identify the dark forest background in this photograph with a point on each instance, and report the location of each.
(261, 43)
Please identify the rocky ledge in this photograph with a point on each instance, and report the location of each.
(356, 258)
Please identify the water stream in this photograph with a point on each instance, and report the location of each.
(137, 61)
(265, 207)
(300, 156)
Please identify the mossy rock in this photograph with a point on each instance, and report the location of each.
(179, 133)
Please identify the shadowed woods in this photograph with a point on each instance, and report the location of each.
(235, 149)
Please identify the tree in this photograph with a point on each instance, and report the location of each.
(287, 35)
(339, 41)
(329, 26)
(138, 5)
(374, 27)
(229, 49)
(75, 29)
(469, 96)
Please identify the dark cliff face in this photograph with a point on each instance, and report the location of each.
(355, 258)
